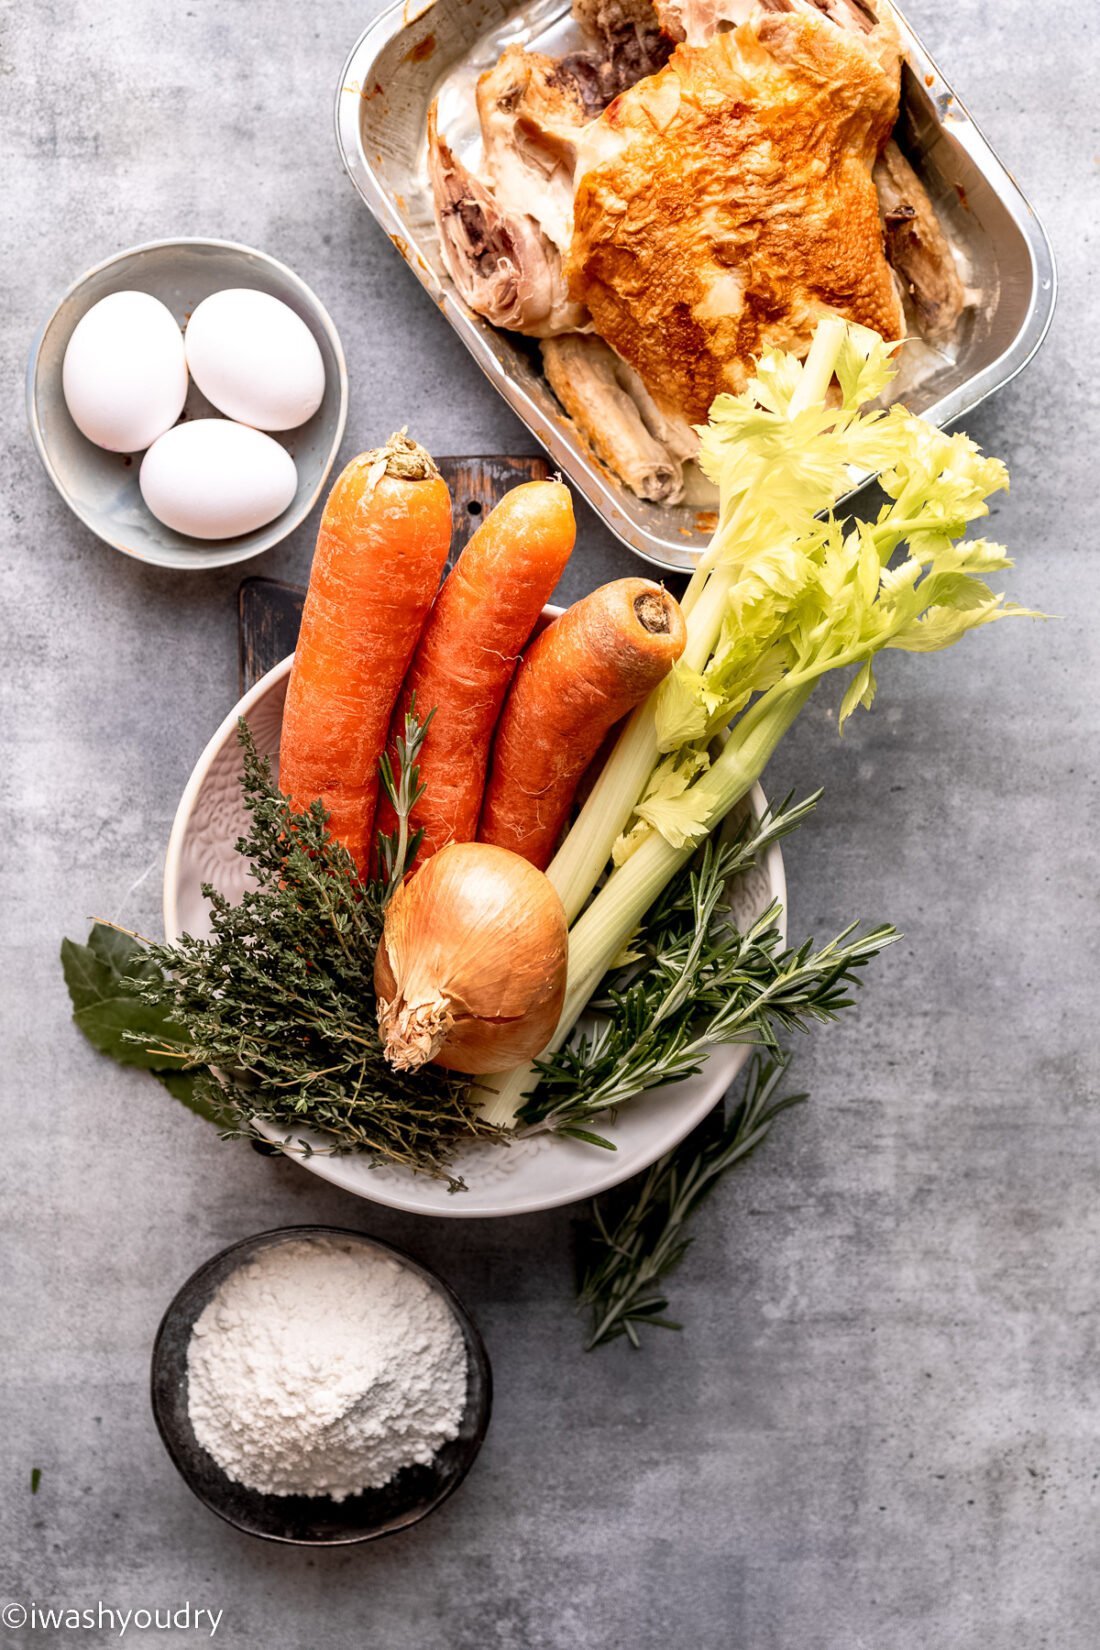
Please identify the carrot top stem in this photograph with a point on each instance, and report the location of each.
(401, 458)
(653, 612)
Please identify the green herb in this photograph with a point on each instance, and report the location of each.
(635, 1236)
(36, 1479)
(397, 850)
(692, 980)
(274, 1018)
(107, 980)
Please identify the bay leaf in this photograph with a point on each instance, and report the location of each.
(106, 1023)
(87, 976)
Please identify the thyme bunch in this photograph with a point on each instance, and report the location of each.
(278, 1007)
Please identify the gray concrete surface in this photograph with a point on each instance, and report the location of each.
(880, 1429)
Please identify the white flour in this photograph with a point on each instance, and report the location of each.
(322, 1368)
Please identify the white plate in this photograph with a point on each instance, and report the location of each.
(537, 1173)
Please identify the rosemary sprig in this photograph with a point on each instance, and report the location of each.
(636, 1235)
(280, 1002)
(396, 850)
(693, 980)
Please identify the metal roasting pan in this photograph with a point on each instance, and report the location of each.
(415, 51)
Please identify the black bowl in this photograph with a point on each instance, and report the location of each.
(307, 1520)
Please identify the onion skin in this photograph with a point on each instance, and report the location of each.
(470, 973)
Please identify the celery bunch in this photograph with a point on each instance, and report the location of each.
(786, 593)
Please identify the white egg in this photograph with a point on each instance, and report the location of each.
(124, 375)
(213, 479)
(255, 359)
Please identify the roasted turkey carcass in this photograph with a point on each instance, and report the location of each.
(705, 206)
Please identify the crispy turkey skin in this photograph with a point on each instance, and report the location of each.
(725, 203)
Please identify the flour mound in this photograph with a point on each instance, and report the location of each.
(321, 1367)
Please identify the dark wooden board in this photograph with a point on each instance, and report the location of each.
(270, 612)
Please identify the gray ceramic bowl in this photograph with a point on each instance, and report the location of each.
(102, 487)
(301, 1520)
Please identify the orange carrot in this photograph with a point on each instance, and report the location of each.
(384, 537)
(469, 650)
(602, 657)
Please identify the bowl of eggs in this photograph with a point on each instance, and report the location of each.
(188, 399)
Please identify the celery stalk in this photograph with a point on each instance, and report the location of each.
(785, 593)
(604, 929)
(613, 916)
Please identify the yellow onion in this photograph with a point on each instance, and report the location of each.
(470, 972)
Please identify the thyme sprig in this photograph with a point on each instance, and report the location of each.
(693, 980)
(636, 1236)
(278, 1007)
